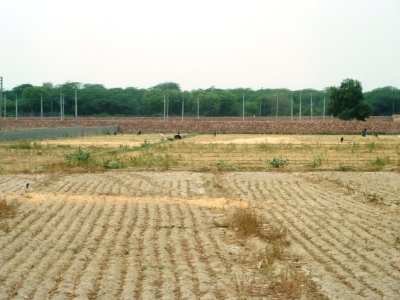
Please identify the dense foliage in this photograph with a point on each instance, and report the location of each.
(96, 100)
(347, 101)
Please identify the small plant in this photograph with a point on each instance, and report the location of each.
(316, 161)
(7, 209)
(265, 147)
(290, 283)
(26, 145)
(245, 221)
(145, 144)
(381, 161)
(270, 255)
(278, 162)
(372, 197)
(343, 168)
(371, 147)
(224, 166)
(112, 164)
(78, 157)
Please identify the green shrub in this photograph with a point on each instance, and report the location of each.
(316, 161)
(224, 166)
(145, 144)
(79, 156)
(381, 161)
(278, 162)
(112, 164)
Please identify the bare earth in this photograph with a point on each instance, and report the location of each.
(148, 235)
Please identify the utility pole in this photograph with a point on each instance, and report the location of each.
(300, 107)
(277, 108)
(167, 106)
(76, 102)
(41, 106)
(291, 106)
(260, 107)
(164, 107)
(393, 101)
(198, 108)
(63, 98)
(61, 106)
(16, 106)
(311, 114)
(243, 108)
(323, 113)
(5, 106)
(1, 98)
(183, 106)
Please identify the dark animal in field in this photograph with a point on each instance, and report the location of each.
(177, 137)
(115, 133)
(27, 185)
(139, 133)
(341, 139)
(215, 133)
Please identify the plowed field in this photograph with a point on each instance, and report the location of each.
(152, 235)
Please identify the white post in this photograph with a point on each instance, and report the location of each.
(243, 109)
(183, 106)
(300, 107)
(164, 107)
(41, 106)
(60, 105)
(167, 106)
(311, 113)
(393, 101)
(291, 106)
(5, 106)
(277, 108)
(76, 102)
(16, 106)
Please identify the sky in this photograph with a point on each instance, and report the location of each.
(255, 44)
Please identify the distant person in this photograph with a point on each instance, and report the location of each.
(341, 139)
(139, 133)
(364, 132)
(215, 133)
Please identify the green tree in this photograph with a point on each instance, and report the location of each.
(347, 101)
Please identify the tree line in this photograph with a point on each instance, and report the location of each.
(168, 97)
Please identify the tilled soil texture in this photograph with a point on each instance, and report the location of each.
(149, 235)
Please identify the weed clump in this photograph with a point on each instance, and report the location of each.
(112, 164)
(25, 145)
(278, 162)
(246, 222)
(372, 197)
(316, 161)
(7, 209)
(78, 157)
(224, 166)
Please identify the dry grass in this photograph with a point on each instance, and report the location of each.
(246, 222)
(7, 209)
(224, 153)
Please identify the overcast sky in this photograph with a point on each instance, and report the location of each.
(223, 43)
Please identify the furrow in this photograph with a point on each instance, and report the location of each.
(30, 256)
(64, 246)
(85, 284)
(63, 275)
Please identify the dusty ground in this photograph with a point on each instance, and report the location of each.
(153, 235)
